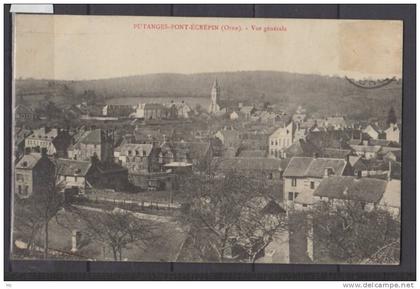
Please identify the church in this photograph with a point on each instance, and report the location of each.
(215, 93)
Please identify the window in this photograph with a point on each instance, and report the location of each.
(304, 205)
(270, 176)
(290, 196)
(20, 190)
(294, 182)
(272, 142)
(19, 177)
(296, 194)
(25, 190)
(312, 185)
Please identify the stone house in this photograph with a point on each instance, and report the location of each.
(54, 141)
(338, 189)
(93, 143)
(303, 175)
(33, 174)
(280, 139)
(74, 174)
(393, 133)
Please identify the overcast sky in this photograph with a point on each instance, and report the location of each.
(94, 47)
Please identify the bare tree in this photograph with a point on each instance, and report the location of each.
(261, 220)
(36, 211)
(225, 217)
(117, 229)
(350, 233)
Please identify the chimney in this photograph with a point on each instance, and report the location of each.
(76, 236)
(43, 152)
(389, 177)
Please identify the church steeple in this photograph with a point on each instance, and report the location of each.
(215, 93)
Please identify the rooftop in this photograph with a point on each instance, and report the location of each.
(367, 190)
(313, 167)
(28, 161)
(68, 167)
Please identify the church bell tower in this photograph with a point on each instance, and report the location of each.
(215, 93)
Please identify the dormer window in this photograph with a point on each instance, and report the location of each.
(328, 172)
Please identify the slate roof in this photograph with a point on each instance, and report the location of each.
(302, 148)
(124, 148)
(272, 208)
(318, 166)
(313, 167)
(257, 164)
(350, 188)
(28, 161)
(375, 127)
(23, 109)
(67, 167)
(252, 154)
(364, 148)
(44, 133)
(21, 134)
(91, 137)
(370, 165)
(330, 139)
(354, 159)
(335, 153)
(298, 166)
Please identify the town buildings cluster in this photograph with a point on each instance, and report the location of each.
(306, 158)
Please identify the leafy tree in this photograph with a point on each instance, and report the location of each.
(51, 110)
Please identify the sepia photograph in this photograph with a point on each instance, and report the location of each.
(206, 140)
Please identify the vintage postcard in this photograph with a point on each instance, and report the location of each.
(227, 140)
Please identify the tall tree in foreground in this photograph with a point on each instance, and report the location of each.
(36, 211)
(117, 229)
(351, 234)
(227, 219)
